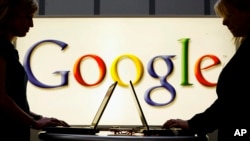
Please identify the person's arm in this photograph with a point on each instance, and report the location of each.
(35, 116)
(7, 105)
(206, 121)
(201, 123)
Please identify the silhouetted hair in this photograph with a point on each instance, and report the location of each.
(220, 8)
(10, 8)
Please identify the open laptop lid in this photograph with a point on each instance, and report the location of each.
(103, 105)
(138, 107)
(155, 130)
(90, 129)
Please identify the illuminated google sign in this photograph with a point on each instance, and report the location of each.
(139, 68)
(174, 63)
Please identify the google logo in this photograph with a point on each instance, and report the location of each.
(139, 70)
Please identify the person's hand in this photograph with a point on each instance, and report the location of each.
(45, 121)
(176, 123)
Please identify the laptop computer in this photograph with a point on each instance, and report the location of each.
(87, 130)
(154, 130)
